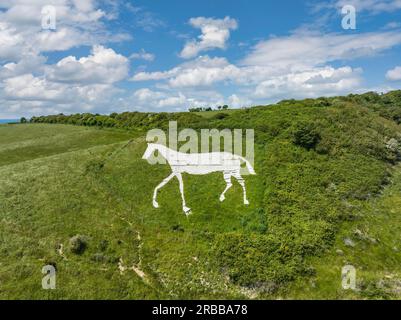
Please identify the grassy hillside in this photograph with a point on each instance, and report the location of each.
(326, 172)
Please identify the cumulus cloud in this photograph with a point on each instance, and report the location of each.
(215, 33)
(159, 99)
(29, 94)
(104, 65)
(309, 49)
(11, 43)
(325, 81)
(203, 71)
(28, 63)
(28, 85)
(142, 55)
(29, 88)
(394, 74)
(78, 23)
(70, 85)
(272, 59)
(236, 101)
(28, 13)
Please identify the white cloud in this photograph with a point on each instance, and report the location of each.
(78, 23)
(35, 95)
(316, 49)
(215, 33)
(271, 59)
(30, 88)
(11, 43)
(318, 82)
(394, 74)
(174, 100)
(142, 55)
(145, 95)
(28, 63)
(235, 101)
(69, 12)
(158, 99)
(203, 71)
(374, 6)
(104, 65)
(70, 85)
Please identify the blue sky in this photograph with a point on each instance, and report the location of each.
(112, 56)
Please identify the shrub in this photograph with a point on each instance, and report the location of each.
(306, 135)
(221, 116)
(78, 244)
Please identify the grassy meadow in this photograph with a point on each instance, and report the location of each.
(326, 194)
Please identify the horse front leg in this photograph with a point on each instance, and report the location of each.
(187, 210)
(161, 185)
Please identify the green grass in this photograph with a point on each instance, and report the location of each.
(323, 174)
(25, 142)
(48, 200)
(211, 114)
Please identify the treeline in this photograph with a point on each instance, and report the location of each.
(386, 105)
(125, 120)
(207, 109)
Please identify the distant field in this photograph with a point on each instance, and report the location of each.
(211, 114)
(312, 211)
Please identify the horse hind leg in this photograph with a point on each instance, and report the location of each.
(186, 210)
(227, 179)
(241, 181)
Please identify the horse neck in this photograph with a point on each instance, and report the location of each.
(166, 152)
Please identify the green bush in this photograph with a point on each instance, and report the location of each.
(306, 135)
(78, 244)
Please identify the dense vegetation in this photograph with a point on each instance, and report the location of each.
(318, 163)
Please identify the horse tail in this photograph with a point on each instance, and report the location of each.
(248, 164)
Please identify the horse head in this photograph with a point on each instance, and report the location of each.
(149, 151)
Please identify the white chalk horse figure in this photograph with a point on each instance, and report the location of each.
(199, 164)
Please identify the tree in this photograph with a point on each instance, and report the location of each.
(306, 135)
(195, 109)
(23, 120)
(225, 107)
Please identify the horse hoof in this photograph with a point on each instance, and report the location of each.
(246, 202)
(222, 198)
(187, 211)
(155, 204)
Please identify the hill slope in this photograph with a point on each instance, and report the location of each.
(322, 165)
